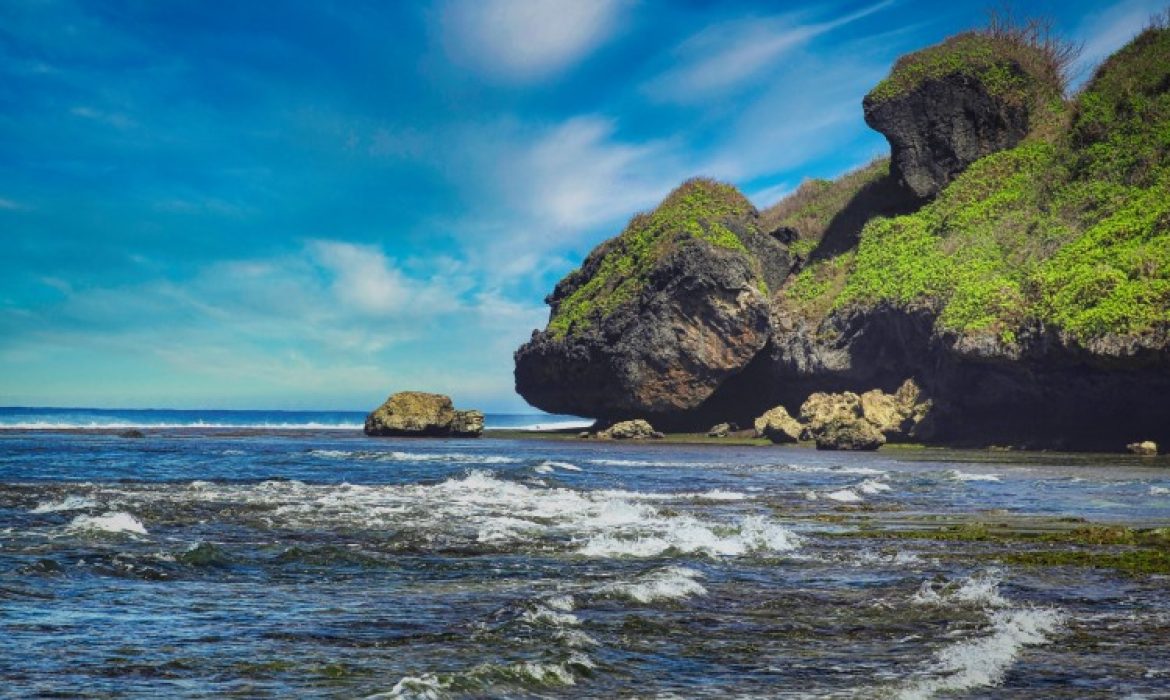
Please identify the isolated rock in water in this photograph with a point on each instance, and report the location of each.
(656, 319)
(721, 430)
(844, 433)
(419, 414)
(949, 105)
(637, 429)
(1145, 449)
(467, 424)
(778, 426)
(133, 434)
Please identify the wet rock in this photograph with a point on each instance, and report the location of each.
(1145, 448)
(419, 414)
(778, 426)
(637, 429)
(132, 434)
(844, 433)
(721, 430)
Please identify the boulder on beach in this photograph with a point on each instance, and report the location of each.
(419, 414)
(1145, 448)
(636, 429)
(721, 430)
(778, 426)
(845, 433)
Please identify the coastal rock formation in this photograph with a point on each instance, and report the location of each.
(1145, 448)
(636, 429)
(778, 426)
(848, 433)
(721, 430)
(946, 107)
(1011, 258)
(419, 414)
(659, 317)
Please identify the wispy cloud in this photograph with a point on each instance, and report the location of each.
(725, 55)
(1108, 30)
(11, 205)
(521, 40)
(114, 119)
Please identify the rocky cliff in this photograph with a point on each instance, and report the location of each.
(1012, 257)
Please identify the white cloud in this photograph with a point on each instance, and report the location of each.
(368, 282)
(11, 205)
(725, 55)
(525, 40)
(1105, 32)
(114, 119)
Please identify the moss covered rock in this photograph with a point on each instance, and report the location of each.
(419, 414)
(659, 317)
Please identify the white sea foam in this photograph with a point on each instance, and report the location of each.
(400, 456)
(68, 503)
(984, 661)
(544, 469)
(844, 496)
(110, 522)
(562, 465)
(956, 475)
(688, 535)
(980, 590)
(1159, 491)
(855, 471)
(673, 583)
(873, 487)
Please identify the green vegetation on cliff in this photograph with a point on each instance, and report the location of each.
(698, 210)
(811, 208)
(1070, 228)
(1014, 61)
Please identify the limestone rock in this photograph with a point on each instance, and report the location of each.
(778, 426)
(844, 433)
(1145, 448)
(419, 414)
(821, 408)
(637, 429)
(721, 430)
(467, 424)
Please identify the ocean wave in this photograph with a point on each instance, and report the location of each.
(66, 504)
(139, 425)
(114, 522)
(844, 496)
(979, 590)
(983, 662)
(1159, 491)
(672, 583)
(401, 456)
(956, 475)
(688, 535)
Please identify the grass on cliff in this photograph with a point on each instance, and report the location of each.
(698, 210)
(1070, 228)
(1013, 59)
(811, 208)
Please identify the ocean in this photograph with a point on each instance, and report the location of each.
(210, 562)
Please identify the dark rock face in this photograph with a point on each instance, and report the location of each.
(943, 125)
(701, 318)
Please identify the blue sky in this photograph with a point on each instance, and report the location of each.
(310, 205)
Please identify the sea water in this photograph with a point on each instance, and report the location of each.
(214, 562)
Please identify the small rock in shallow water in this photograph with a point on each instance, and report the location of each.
(778, 426)
(419, 414)
(133, 434)
(1147, 448)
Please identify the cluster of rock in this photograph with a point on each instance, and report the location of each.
(848, 421)
(702, 335)
(419, 414)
